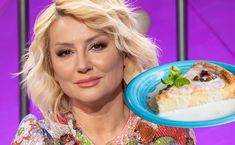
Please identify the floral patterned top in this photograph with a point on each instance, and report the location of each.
(137, 131)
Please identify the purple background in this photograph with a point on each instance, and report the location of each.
(210, 36)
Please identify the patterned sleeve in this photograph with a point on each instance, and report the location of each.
(178, 136)
(164, 135)
(29, 132)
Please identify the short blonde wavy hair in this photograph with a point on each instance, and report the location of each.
(114, 17)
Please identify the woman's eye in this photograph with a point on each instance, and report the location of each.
(64, 53)
(98, 46)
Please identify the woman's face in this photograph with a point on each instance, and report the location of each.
(86, 63)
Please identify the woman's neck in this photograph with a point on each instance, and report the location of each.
(103, 122)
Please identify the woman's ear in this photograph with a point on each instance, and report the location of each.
(125, 60)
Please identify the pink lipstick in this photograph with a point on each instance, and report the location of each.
(88, 82)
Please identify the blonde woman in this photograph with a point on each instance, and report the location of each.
(83, 54)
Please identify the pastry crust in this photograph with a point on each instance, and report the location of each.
(218, 70)
(197, 93)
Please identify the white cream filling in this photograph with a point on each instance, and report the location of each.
(217, 83)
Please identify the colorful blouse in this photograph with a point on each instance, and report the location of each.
(137, 131)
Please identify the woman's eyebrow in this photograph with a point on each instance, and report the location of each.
(88, 40)
(94, 37)
(65, 44)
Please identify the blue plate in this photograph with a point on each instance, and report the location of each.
(136, 96)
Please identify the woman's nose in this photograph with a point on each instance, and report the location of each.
(83, 64)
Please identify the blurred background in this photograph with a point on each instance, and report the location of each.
(210, 36)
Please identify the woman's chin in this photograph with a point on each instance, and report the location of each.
(89, 101)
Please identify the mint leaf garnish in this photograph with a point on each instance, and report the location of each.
(173, 71)
(180, 82)
(168, 81)
(175, 78)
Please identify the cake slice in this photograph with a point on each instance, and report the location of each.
(208, 83)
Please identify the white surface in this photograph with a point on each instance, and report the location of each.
(208, 111)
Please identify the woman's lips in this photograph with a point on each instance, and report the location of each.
(89, 82)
